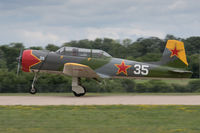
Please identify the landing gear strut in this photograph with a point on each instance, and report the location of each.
(33, 90)
(77, 88)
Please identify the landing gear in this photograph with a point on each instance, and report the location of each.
(79, 95)
(33, 90)
(77, 88)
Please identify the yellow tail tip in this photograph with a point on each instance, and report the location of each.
(177, 49)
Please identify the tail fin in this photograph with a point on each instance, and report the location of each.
(174, 55)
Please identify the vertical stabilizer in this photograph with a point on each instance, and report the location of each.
(174, 55)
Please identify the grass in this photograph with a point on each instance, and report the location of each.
(100, 119)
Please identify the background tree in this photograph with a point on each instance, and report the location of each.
(51, 47)
(36, 48)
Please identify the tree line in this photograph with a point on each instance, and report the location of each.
(143, 49)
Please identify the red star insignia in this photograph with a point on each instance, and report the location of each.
(122, 68)
(175, 52)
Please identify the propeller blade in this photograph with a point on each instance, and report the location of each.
(19, 60)
(18, 67)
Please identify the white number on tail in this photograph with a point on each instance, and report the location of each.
(137, 69)
(141, 69)
(145, 70)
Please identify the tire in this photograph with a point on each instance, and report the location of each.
(81, 94)
(33, 91)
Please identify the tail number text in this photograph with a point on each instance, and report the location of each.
(141, 69)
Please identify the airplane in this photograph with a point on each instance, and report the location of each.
(97, 64)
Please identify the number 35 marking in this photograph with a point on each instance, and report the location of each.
(141, 69)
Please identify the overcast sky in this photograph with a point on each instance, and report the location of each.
(39, 22)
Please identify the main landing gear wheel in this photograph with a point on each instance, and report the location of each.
(81, 94)
(77, 88)
(33, 90)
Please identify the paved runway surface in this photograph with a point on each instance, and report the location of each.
(100, 100)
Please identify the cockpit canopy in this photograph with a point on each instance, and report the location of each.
(82, 52)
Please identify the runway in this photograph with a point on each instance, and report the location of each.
(100, 100)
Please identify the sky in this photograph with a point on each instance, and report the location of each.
(42, 22)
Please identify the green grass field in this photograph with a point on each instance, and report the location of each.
(100, 119)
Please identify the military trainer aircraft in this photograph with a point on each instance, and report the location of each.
(97, 64)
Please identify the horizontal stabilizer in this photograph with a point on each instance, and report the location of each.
(181, 73)
(103, 75)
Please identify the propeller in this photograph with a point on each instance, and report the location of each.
(19, 60)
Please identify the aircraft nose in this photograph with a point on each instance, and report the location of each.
(29, 60)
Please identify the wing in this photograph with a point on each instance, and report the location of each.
(79, 70)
